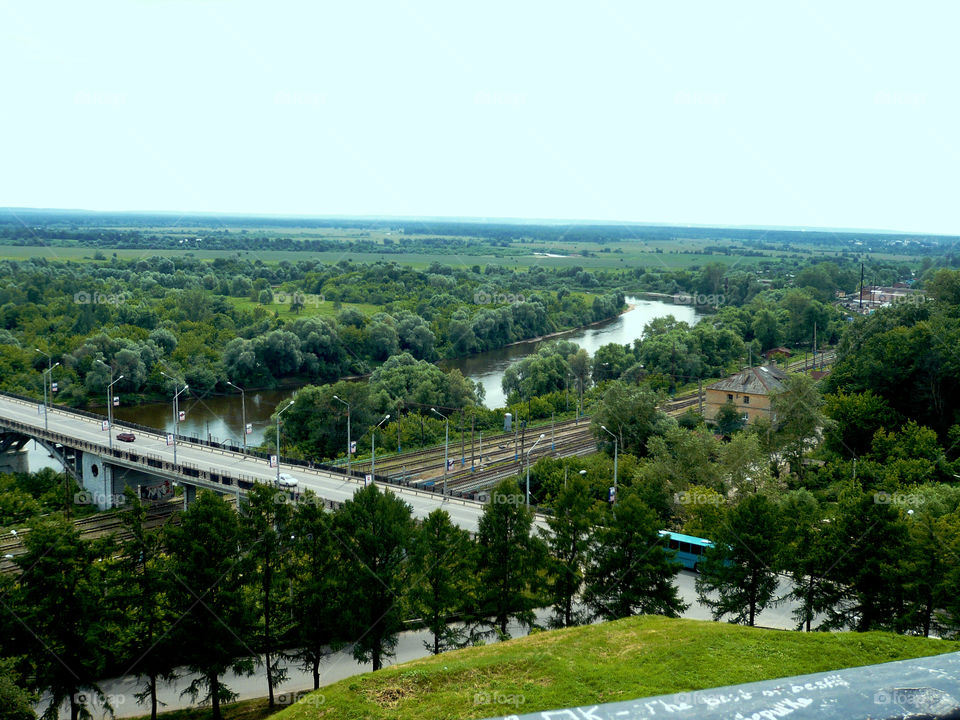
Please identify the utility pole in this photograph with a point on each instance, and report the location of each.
(349, 444)
(463, 450)
(446, 448)
(700, 393)
(473, 444)
(861, 287)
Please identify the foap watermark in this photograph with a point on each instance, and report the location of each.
(498, 698)
(304, 698)
(898, 498)
(696, 497)
(699, 299)
(98, 298)
(298, 298)
(84, 699)
(85, 497)
(481, 297)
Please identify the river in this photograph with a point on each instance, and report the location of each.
(221, 417)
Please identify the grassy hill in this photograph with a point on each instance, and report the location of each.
(613, 661)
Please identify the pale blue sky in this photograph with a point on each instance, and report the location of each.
(830, 114)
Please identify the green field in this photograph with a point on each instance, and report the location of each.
(630, 658)
(634, 255)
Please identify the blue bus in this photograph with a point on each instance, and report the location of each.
(686, 549)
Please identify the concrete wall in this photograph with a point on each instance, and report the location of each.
(759, 405)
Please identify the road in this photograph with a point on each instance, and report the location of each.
(121, 691)
(328, 485)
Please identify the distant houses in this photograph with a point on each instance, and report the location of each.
(749, 391)
(873, 297)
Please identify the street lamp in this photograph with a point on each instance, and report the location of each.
(110, 403)
(176, 418)
(542, 436)
(373, 450)
(49, 367)
(46, 407)
(604, 428)
(279, 413)
(446, 448)
(349, 444)
(243, 410)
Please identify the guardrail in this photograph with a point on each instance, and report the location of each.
(924, 688)
(191, 471)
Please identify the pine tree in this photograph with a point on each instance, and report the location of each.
(630, 571)
(375, 530)
(442, 557)
(509, 561)
(738, 575)
(208, 560)
(568, 543)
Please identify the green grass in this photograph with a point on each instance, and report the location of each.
(610, 662)
(630, 658)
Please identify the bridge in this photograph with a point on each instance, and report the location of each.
(80, 442)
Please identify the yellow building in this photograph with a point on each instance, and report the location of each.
(749, 391)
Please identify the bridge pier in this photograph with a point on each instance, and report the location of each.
(13, 457)
(96, 477)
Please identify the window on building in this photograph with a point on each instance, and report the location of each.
(746, 400)
(729, 396)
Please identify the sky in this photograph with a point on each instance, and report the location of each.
(809, 114)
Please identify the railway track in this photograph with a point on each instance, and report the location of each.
(92, 528)
(431, 458)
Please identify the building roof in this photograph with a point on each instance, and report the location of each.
(762, 380)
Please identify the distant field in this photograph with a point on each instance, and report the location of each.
(632, 256)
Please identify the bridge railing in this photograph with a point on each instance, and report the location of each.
(242, 481)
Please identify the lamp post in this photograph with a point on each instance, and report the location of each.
(604, 428)
(349, 444)
(176, 418)
(49, 368)
(542, 436)
(446, 448)
(110, 403)
(243, 410)
(279, 413)
(46, 406)
(373, 450)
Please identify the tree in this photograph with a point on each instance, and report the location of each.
(856, 418)
(15, 702)
(729, 419)
(805, 555)
(509, 560)
(61, 630)
(797, 417)
(264, 522)
(375, 529)
(738, 575)
(630, 413)
(610, 361)
(630, 571)
(208, 561)
(441, 557)
(317, 583)
(142, 594)
(568, 542)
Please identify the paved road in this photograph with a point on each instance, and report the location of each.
(328, 485)
(341, 665)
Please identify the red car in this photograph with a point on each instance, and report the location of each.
(126, 437)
